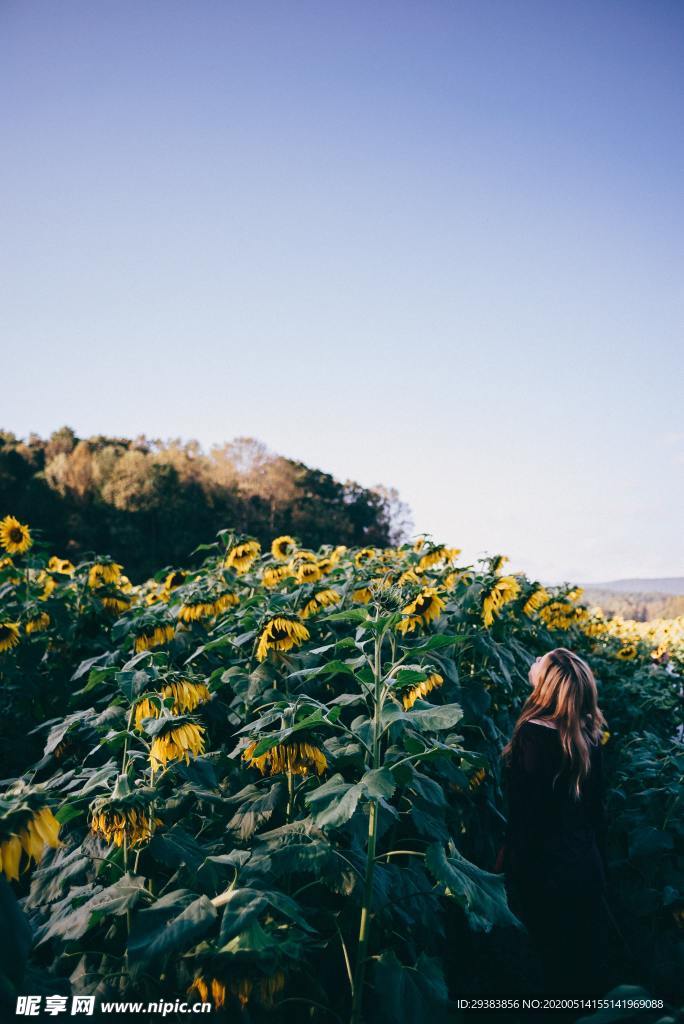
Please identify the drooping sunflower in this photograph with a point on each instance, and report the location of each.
(363, 556)
(362, 595)
(437, 553)
(48, 582)
(558, 614)
(503, 590)
(177, 743)
(283, 547)
(425, 608)
(195, 609)
(15, 537)
(326, 564)
(281, 634)
(300, 757)
(536, 599)
(241, 556)
(411, 695)
(186, 697)
(174, 579)
(122, 821)
(161, 634)
(26, 829)
(115, 602)
(37, 623)
(104, 571)
(9, 635)
(478, 778)
(307, 572)
(224, 601)
(61, 565)
(321, 599)
(274, 574)
(605, 736)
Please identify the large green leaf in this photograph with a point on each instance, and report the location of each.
(481, 893)
(175, 924)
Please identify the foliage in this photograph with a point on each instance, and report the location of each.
(282, 802)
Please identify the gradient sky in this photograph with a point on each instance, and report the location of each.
(437, 245)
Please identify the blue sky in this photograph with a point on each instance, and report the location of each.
(437, 245)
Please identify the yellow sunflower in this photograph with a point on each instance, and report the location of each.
(37, 623)
(15, 537)
(283, 547)
(9, 635)
(425, 608)
(174, 579)
(103, 572)
(186, 697)
(503, 590)
(223, 601)
(31, 833)
(178, 743)
(115, 603)
(274, 574)
(159, 635)
(300, 757)
(411, 695)
(193, 611)
(241, 556)
(363, 556)
(534, 602)
(281, 634)
(308, 572)
(362, 595)
(61, 565)
(122, 823)
(320, 600)
(627, 652)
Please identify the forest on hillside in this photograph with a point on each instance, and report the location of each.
(149, 502)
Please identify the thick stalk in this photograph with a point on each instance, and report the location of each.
(364, 923)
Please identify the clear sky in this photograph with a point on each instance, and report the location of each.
(437, 245)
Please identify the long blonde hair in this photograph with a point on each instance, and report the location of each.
(565, 693)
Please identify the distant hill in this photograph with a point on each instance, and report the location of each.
(665, 585)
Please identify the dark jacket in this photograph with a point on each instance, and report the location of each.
(551, 840)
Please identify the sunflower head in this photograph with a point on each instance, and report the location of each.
(274, 574)
(61, 565)
(125, 820)
(37, 623)
(15, 537)
(411, 694)
(176, 741)
(241, 556)
(425, 608)
(104, 571)
(27, 828)
(320, 600)
(283, 548)
(280, 633)
(297, 756)
(9, 635)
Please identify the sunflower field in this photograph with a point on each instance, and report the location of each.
(271, 782)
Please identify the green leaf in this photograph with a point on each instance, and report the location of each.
(176, 923)
(379, 783)
(481, 893)
(334, 802)
(409, 995)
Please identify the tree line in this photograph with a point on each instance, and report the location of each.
(149, 502)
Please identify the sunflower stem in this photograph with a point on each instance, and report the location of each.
(366, 906)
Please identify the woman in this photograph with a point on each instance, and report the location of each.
(554, 849)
